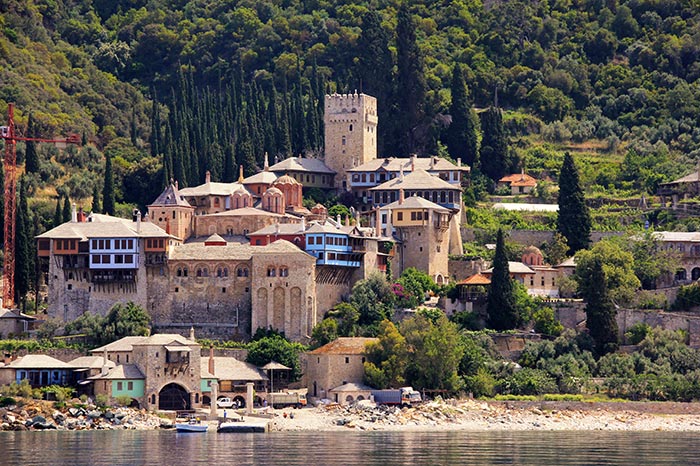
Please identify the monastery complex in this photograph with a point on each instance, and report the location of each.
(228, 258)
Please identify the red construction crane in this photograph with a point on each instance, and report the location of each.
(10, 164)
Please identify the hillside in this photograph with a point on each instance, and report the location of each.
(614, 82)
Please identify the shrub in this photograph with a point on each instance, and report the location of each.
(637, 333)
(481, 384)
(123, 400)
(7, 401)
(529, 382)
(101, 400)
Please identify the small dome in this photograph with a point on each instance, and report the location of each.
(319, 208)
(241, 191)
(272, 190)
(285, 179)
(532, 250)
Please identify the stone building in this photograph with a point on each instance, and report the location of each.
(338, 363)
(310, 173)
(350, 129)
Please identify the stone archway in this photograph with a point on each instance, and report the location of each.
(695, 273)
(174, 397)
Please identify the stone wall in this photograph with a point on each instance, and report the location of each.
(534, 237)
(459, 270)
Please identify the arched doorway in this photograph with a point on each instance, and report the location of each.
(681, 275)
(173, 397)
(240, 401)
(695, 273)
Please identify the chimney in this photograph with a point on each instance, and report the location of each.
(413, 163)
(303, 224)
(105, 369)
(211, 360)
(459, 162)
(73, 214)
(207, 177)
(277, 228)
(175, 184)
(192, 338)
(347, 220)
(240, 174)
(378, 223)
(266, 167)
(138, 220)
(337, 221)
(401, 196)
(401, 173)
(432, 162)
(357, 219)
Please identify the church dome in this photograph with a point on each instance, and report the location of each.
(285, 179)
(273, 190)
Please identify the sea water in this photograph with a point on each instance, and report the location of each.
(167, 447)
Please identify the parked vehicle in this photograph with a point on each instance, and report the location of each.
(226, 403)
(404, 396)
(295, 398)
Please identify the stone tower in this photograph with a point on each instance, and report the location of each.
(350, 133)
(172, 213)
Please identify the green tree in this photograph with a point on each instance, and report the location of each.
(373, 298)
(462, 135)
(324, 332)
(108, 196)
(651, 260)
(410, 83)
(96, 207)
(279, 349)
(556, 249)
(66, 213)
(347, 317)
(415, 284)
(387, 358)
(574, 220)
(126, 319)
(24, 259)
(435, 353)
(494, 159)
(618, 264)
(600, 312)
(58, 214)
(31, 159)
(501, 305)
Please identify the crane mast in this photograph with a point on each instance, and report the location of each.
(9, 134)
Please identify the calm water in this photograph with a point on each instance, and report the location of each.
(341, 448)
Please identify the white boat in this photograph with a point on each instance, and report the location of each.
(191, 425)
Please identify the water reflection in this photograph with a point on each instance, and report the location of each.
(349, 448)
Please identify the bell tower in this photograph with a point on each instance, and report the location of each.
(350, 122)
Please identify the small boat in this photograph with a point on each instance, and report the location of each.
(240, 427)
(191, 425)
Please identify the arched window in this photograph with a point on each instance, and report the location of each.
(350, 128)
(179, 272)
(242, 272)
(184, 272)
(284, 272)
(271, 272)
(216, 201)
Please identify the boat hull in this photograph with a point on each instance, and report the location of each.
(191, 427)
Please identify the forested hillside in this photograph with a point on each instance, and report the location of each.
(614, 81)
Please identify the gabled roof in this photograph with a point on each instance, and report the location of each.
(229, 368)
(415, 202)
(162, 339)
(514, 267)
(38, 361)
(326, 227)
(91, 362)
(121, 372)
(263, 177)
(344, 346)
(246, 212)
(123, 344)
(105, 226)
(518, 179)
(281, 229)
(392, 164)
(199, 251)
(15, 314)
(476, 279)
(281, 247)
(300, 164)
(691, 178)
(211, 189)
(419, 179)
(170, 197)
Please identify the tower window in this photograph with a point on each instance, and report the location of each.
(343, 140)
(350, 128)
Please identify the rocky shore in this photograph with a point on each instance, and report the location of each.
(42, 415)
(471, 415)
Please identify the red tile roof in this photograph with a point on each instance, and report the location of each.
(344, 345)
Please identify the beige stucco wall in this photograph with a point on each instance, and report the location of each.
(324, 372)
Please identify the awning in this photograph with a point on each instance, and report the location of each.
(81, 370)
(85, 382)
(182, 349)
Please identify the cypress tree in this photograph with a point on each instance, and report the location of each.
(273, 119)
(133, 127)
(66, 212)
(2, 204)
(31, 161)
(574, 220)
(461, 136)
(108, 200)
(411, 86)
(376, 71)
(24, 262)
(494, 159)
(285, 144)
(600, 312)
(58, 214)
(501, 308)
(96, 207)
